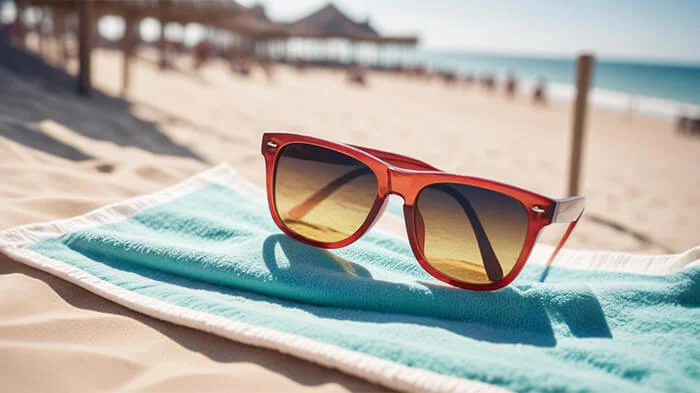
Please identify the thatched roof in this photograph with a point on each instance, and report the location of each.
(327, 22)
(212, 12)
(330, 22)
(227, 14)
(258, 10)
(256, 27)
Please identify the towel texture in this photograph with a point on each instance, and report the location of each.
(211, 251)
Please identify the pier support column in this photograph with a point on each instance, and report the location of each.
(128, 45)
(59, 21)
(41, 40)
(163, 46)
(86, 23)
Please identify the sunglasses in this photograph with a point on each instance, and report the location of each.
(472, 233)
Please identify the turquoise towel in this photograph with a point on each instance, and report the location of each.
(206, 254)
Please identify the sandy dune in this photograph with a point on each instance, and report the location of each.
(61, 155)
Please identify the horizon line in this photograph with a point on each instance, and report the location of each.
(534, 54)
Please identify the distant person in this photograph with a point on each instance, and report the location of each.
(488, 82)
(202, 51)
(357, 75)
(688, 126)
(176, 46)
(420, 71)
(539, 96)
(300, 65)
(469, 79)
(265, 65)
(240, 63)
(511, 85)
(449, 77)
(241, 67)
(683, 124)
(695, 126)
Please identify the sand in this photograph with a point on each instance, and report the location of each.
(61, 155)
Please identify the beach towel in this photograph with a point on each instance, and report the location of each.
(206, 254)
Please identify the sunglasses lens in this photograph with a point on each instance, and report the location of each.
(470, 234)
(321, 194)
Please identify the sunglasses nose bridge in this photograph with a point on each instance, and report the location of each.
(403, 184)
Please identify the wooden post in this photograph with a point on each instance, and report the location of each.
(41, 42)
(85, 35)
(127, 48)
(353, 52)
(584, 71)
(163, 62)
(59, 20)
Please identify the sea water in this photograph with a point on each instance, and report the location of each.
(667, 90)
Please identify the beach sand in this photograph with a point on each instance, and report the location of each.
(61, 155)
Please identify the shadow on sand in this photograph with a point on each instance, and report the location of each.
(32, 91)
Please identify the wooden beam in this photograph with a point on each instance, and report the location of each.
(584, 71)
(86, 23)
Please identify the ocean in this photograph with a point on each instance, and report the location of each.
(666, 90)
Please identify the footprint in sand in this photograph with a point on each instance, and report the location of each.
(105, 168)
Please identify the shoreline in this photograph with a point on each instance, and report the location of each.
(657, 88)
(621, 102)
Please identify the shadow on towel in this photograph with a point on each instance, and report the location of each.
(581, 311)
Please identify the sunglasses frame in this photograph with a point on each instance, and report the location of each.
(407, 177)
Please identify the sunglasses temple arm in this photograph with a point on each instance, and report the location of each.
(488, 255)
(566, 210)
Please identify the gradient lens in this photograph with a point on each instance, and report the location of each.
(321, 194)
(469, 233)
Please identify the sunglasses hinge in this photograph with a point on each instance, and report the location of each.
(537, 209)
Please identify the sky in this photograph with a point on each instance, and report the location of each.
(630, 29)
(653, 30)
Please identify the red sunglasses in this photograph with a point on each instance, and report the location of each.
(471, 233)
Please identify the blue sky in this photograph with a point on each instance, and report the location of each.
(640, 29)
